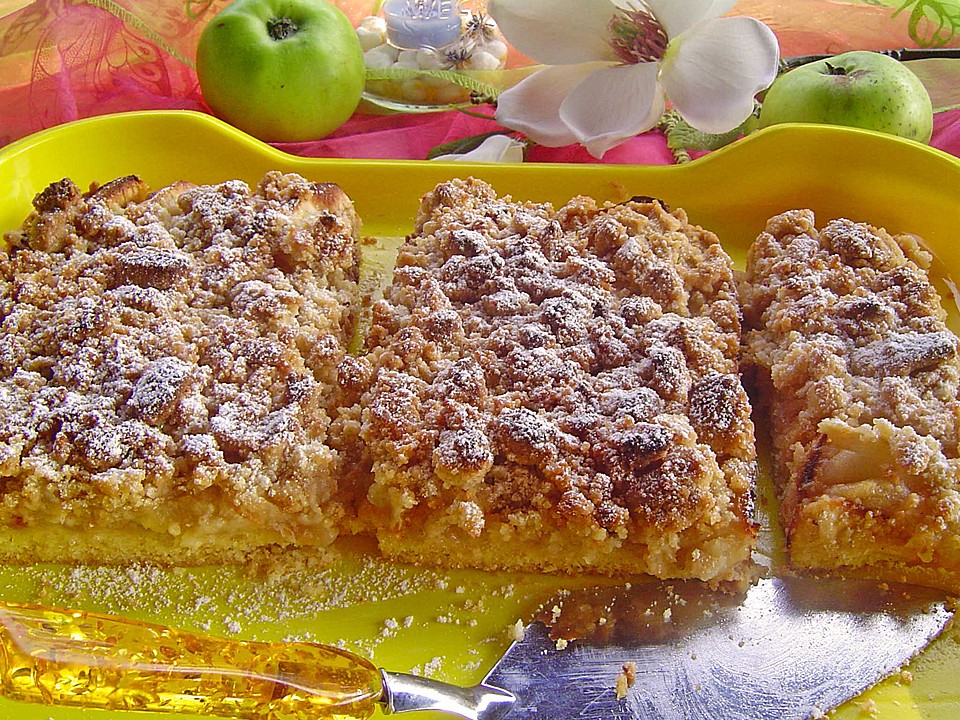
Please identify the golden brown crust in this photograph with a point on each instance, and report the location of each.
(545, 389)
(860, 376)
(166, 363)
(558, 390)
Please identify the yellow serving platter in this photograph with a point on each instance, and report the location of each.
(454, 625)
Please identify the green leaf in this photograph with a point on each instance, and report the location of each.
(932, 23)
(461, 146)
(376, 104)
(481, 89)
(485, 85)
(941, 78)
(682, 137)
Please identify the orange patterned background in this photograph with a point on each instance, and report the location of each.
(61, 60)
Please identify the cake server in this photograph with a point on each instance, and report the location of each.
(788, 648)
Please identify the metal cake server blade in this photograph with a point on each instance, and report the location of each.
(788, 648)
(783, 650)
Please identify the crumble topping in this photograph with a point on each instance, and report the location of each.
(155, 346)
(859, 373)
(535, 379)
(571, 371)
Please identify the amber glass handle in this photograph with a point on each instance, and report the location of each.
(65, 657)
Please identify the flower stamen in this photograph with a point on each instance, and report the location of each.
(457, 55)
(480, 27)
(636, 36)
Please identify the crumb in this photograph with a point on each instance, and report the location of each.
(667, 614)
(517, 631)
(629, 671)
(432, 667)
(906, 677)
(868, 707)
(562, 644)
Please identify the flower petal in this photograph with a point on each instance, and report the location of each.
(677, 16)
(556, 32)
(712, 73)
(612, 105)
(496, 148)
(532, 106)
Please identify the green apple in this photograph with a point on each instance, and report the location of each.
(281, 70)
(861, 88)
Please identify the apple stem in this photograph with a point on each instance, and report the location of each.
(835, 69)
(281, 28)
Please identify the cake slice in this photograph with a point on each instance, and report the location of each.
(167, 361)
(556, 390)
(859, 376)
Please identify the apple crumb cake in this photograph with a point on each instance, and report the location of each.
(859, 376)
(556, 389)
(166, 364)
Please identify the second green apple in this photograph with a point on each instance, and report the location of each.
(860, 89)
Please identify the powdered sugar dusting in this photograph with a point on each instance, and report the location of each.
(184, 343)
(861, 379)
(903, 353)
(540, 360)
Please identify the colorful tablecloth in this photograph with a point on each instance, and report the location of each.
(61, 60)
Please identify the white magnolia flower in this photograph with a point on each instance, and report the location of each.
(613, 63)
(496, 148)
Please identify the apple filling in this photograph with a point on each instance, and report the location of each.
(167, 363)
(557, 389)
(860, 377)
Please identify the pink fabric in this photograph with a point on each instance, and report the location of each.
(61, 60)
(946, 131)
(411, 137)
